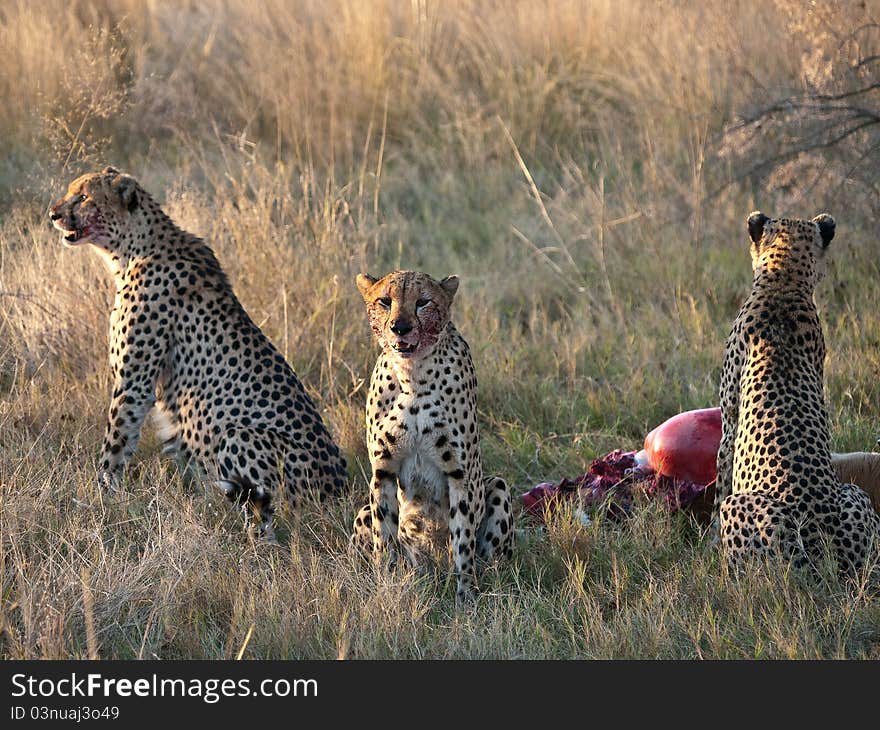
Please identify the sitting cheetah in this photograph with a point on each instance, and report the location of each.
(777, 492)
(427, 483)
(227, 400)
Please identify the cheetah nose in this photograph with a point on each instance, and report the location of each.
(399, 327)
(53, 215)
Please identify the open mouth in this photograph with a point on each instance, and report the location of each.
(74, 235)
(404, 348)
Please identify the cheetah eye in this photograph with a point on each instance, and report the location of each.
(384, 302)
(421, 303)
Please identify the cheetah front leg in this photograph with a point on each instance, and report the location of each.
(125, 418)
(135, 363)
(384, 515)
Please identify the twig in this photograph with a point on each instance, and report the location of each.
(89, 613)
(246, 641)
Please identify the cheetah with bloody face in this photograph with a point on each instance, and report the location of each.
(227, 400)
(427, 481)
(777, 492)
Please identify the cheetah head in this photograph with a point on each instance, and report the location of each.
(97, 208)
(797, 246)
(408, 310)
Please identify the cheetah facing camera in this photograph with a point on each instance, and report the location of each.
(427, 481)
(227, 401)
(777, 493)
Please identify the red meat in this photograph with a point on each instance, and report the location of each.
(686, 446)
(676, 465)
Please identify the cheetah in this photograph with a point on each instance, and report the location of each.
(227, 402)
(777, 493)
(427, 487)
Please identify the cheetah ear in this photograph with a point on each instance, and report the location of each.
(126, 188)
(450, 285)
(364, 282)
(756, 223)
(826, 227)
(109, 171)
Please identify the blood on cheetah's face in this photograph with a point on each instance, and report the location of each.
(96, 208)
(408, 310)
(799, 247)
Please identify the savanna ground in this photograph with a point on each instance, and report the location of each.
(585, 167)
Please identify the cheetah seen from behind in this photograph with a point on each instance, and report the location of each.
(226, 399)
(427, 485)
(777, 492)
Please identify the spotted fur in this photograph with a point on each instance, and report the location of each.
(226, 399)
(427, 487)
(777, 492)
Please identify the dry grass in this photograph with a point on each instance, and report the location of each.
(562, 157)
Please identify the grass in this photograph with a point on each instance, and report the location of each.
(564, 158)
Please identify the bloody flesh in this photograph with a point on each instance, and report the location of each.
(686, 446)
